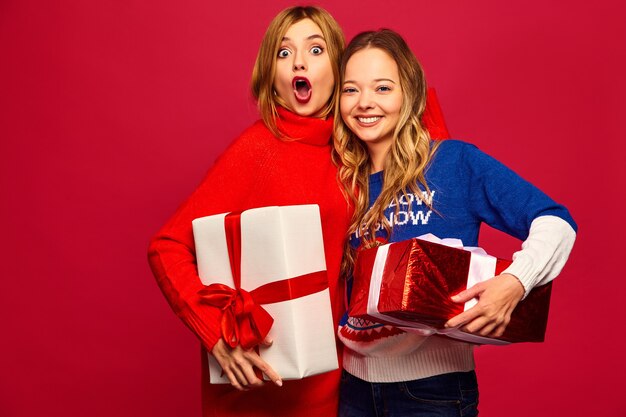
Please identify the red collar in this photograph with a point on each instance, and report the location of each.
(309, 130)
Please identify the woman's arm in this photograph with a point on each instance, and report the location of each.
(541, 259)
(504, 200)
(173, 260)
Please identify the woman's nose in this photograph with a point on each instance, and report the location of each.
(365, 101)
(299, 62)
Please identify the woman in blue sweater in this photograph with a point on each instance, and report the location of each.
(403, 184)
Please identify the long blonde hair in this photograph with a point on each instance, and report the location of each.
(262, 83)
(410, 152)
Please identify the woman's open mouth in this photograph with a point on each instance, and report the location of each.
(302, 89)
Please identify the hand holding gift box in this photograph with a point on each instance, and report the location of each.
(409, 284)
(265, 265)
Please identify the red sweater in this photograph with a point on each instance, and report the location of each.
(258, 170)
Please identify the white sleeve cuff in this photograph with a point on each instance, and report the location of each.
(544, 253)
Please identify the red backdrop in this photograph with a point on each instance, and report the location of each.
(111, 112)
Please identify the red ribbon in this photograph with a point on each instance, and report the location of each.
(244, 321)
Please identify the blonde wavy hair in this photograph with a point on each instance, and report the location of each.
(408, 156)
(262, 83)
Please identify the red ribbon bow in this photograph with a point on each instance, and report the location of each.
(244, 321)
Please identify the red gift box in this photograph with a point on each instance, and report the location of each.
(408, 284)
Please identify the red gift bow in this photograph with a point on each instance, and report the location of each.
(244, 321)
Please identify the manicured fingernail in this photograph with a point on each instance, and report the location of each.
(279, 383)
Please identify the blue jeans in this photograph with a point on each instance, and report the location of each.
(454, 394)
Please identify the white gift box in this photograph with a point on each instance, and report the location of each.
(277, 243)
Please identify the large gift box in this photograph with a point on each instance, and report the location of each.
(409, 284)
(266, 269)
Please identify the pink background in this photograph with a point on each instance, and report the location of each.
(112, 111)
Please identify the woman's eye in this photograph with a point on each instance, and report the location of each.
(348, 90)
(316, 50)
(284, 53)
(383, 88)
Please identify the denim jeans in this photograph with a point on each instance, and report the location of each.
(453, 394)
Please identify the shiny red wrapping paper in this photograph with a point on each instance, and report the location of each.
(418, 279)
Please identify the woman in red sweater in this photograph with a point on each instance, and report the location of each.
(282, 160)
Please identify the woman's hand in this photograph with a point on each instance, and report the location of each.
(238, 365)
(497, 297)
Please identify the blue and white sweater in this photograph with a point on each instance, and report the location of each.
(467, 188)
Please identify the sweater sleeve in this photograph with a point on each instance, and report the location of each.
(543, 253)
(507, 202)
(503, 199)
(172, 251)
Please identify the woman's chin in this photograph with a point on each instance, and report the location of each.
(309, 109)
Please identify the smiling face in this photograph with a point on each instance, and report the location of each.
(371, 99)
(304, 76)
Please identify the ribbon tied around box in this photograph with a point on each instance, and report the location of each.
(244, 321)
